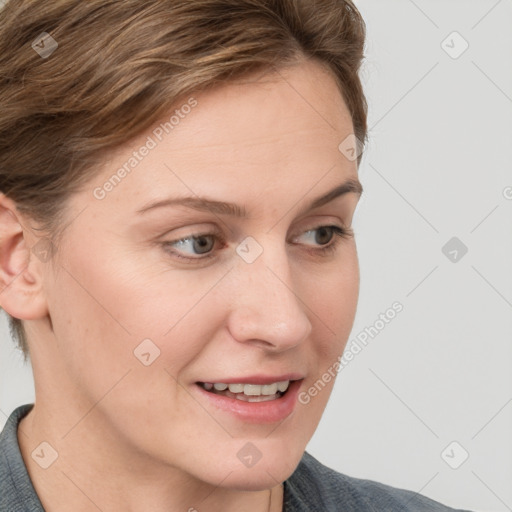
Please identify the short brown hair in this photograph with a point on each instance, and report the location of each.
(120, 65)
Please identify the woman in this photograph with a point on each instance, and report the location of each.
(178, 183)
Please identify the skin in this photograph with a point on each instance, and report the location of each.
(142, 438)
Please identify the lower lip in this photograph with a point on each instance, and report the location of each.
(256, 412)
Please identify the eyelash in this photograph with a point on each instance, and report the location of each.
(339, 234)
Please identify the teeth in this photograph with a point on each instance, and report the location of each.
(252, 390)
(236, 388)
(269, 389)
(283, 386)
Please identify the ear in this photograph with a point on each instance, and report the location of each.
(21, 271)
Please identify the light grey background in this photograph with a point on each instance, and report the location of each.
(437, 166)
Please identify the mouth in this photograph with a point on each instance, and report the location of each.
(247, 392)
(253, 399)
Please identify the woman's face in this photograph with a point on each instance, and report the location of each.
(146, 318)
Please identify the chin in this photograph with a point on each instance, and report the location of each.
(270, 470)
(258, 480)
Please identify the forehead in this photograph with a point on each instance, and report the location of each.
(295, 102)
(280, 129)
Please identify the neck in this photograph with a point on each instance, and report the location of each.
(92, 472)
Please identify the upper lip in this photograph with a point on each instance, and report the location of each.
(256, 379)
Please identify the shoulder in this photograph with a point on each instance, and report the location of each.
(314, 486)
(16, 490)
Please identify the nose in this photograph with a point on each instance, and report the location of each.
(267, 310)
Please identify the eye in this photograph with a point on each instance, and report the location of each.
(321, 235)
(199, 244)
(328, 237)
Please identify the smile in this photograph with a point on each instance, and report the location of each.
(251, 399)
(248, 392)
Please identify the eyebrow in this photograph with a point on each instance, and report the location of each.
(225, 208)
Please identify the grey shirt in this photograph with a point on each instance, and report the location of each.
(313, 487)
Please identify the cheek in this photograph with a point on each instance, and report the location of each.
(102, 312)
(333, 298)
(334, 305)
(94, 348)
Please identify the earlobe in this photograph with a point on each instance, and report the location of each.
(21, 291)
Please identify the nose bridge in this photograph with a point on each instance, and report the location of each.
(267, 308)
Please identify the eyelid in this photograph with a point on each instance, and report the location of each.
(321, 224)
(214, 230)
